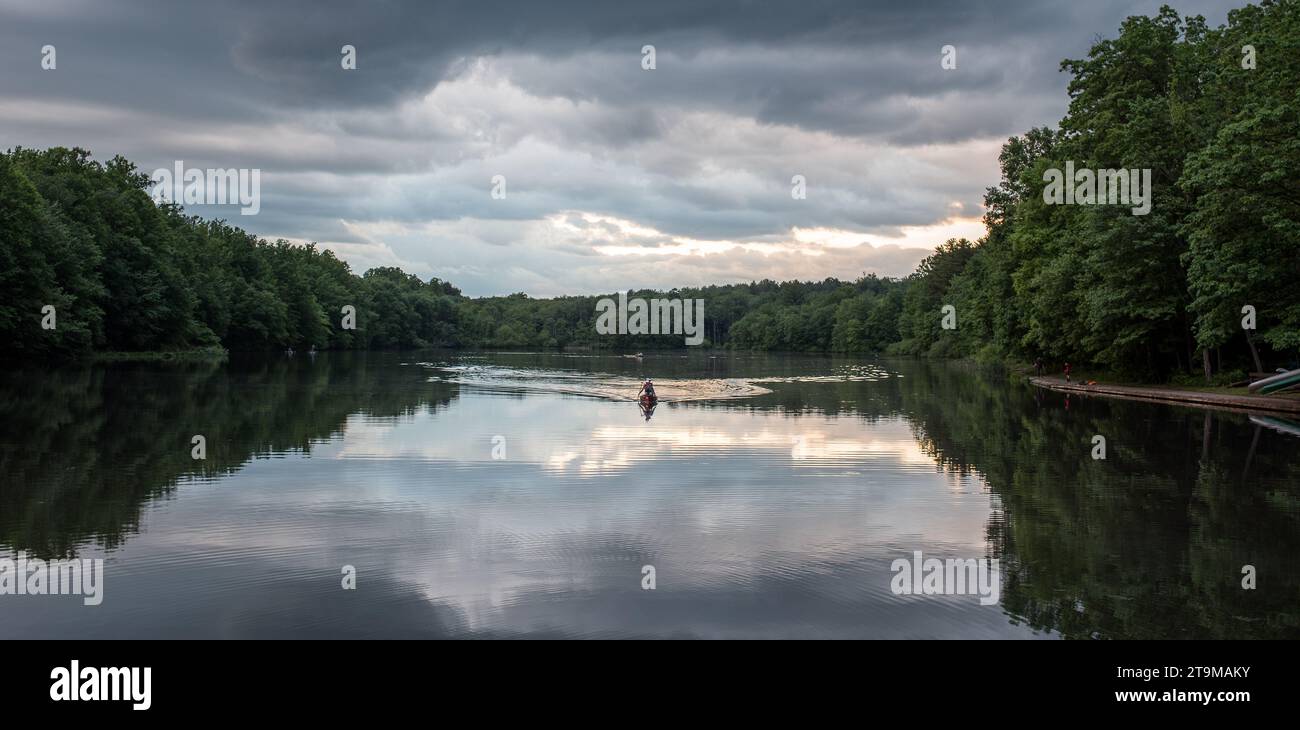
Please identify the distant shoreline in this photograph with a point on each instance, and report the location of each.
(198, 354)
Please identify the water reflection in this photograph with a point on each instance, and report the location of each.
(648, 408)
(771, 515)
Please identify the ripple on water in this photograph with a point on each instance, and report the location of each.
(622, 388)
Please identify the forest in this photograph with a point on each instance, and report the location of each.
(1213, 113)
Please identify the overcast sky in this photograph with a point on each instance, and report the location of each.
(616, 177)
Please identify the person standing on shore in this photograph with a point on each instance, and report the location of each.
(1038, 366)
(1067, 372)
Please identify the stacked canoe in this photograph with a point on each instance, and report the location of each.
(1276, 383)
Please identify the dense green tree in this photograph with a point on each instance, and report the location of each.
(921, 321)
(1244, 229)
(43, 263)
(1151, 294)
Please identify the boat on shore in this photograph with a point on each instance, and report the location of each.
(1275, 383)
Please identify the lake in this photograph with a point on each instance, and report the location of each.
(468, 495)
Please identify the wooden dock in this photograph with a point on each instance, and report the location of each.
(1288, 404)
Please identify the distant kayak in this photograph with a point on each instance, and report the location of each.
(648, 400)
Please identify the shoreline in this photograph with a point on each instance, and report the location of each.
(1192, 398)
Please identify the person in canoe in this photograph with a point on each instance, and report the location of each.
(647, 392)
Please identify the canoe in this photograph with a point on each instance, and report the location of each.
(1260, 384)
(1292, 379)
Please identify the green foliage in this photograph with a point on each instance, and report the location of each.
(920, 323)
(127, 275)
(1145, 295)
(1244, 233)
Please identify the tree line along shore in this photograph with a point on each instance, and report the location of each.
(1156, 297)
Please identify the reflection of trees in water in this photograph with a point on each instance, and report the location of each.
(1148, 543)
(84, 448)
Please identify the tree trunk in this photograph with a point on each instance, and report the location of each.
(1205, 358)
(1254, 353)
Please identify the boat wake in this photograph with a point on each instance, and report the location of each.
(593, 385)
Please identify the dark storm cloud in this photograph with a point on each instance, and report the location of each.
(552, 95)
(233, 60)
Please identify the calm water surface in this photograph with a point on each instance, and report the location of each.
(773, 511)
